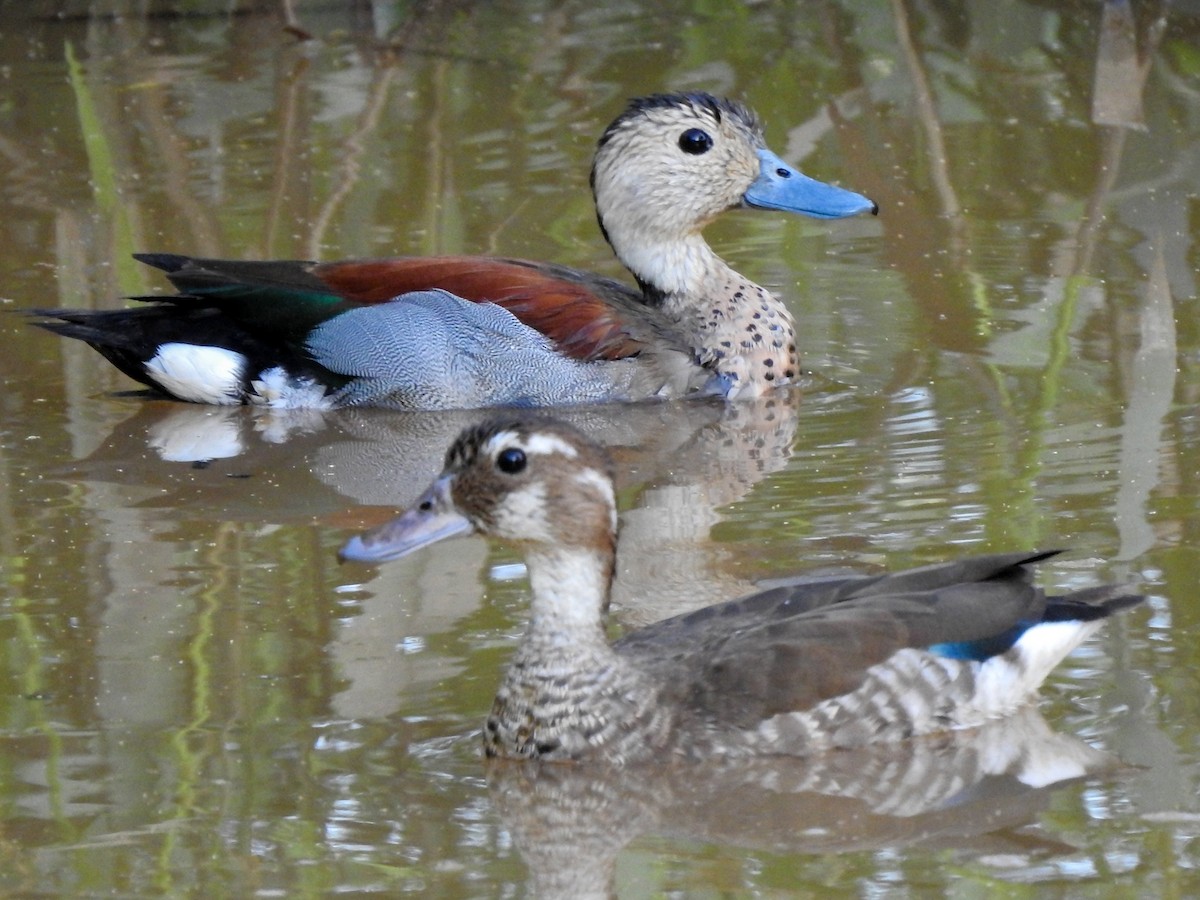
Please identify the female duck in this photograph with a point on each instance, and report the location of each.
(841, 662)
(465, 332)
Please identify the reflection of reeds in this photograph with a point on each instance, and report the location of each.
(1117, 107)
(291, 23)
(1151, 390)
(958, 286)
(957, 233)
(191, 745)
(936, 156)
(1118, 85)
(102, 173)
(169, 149)
(292, 131)
(346, 175)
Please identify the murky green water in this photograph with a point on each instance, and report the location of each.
(196, 700)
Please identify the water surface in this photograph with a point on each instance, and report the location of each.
(195, 699)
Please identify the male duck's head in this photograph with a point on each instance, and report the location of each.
(671, 163)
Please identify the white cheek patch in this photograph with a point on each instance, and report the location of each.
(523, 514)
(198, 373)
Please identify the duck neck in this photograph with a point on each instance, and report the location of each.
(675, 267)
(568, 694)
(740, 331)
(570, 595)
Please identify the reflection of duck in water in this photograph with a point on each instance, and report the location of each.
(680, 465)
(836, 663)
(970, 789)
(468, 332)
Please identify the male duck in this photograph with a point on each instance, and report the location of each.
(466, 332)
(834, 663)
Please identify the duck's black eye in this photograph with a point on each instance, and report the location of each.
(511, 461)
(695, 141)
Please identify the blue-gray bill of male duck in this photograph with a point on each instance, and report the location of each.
(462, 332)
(835, 663)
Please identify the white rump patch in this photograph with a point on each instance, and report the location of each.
(199, 373)
(1007, 680)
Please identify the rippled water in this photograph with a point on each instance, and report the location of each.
(195, 699)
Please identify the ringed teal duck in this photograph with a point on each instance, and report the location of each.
(465, 332)
(833, 663)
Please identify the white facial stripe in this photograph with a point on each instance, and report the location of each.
(198, 373)
(535, 445)
(547, 444)
(603, 486)
(499, 441)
